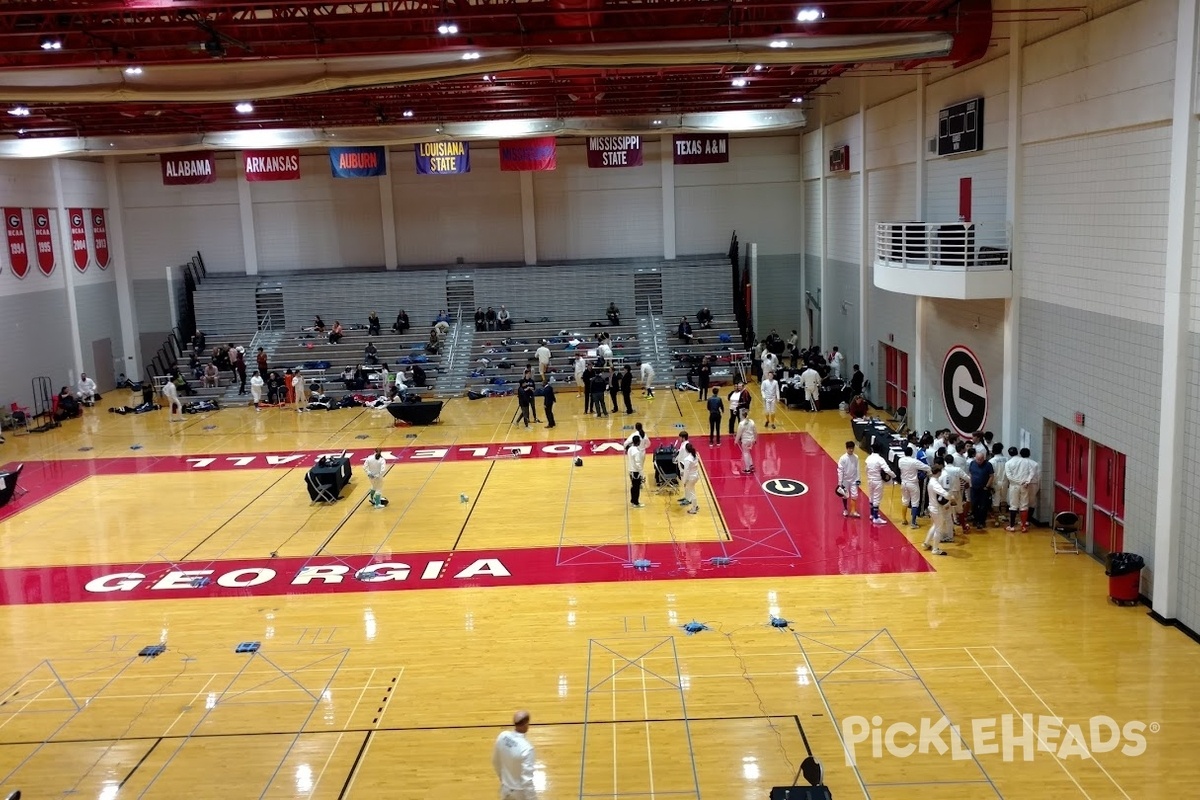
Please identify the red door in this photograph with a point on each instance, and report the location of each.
(895, 377)
(1108, 505)
(1070, 472)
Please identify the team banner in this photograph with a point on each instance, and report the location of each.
(42, 240)
(443, 158)
(185, 169)
(18, 250)
(78, 238)
(100, 237)
(528, 155)
(701, 148)
(614, 151)
(272, 165)
(357, 162)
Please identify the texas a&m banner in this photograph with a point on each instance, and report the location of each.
(357, 162)
(18, 251)
(443, 158)
(100, 237)
(78, 238)
(701, 148)
(614, 151)
(272, 165)
(528, 155)
(42, 240)
(183, 169)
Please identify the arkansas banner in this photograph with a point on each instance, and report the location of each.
(528, 155)
(701, 148)
(184, 169)
(357, 162)
(443, 158)
(42, 240)
(78, 238)
(18, 250)
(272, 165)
(614, 151)
(100, 237)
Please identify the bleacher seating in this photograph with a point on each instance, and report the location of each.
(508, 361)
(685, 292)
(297, 348)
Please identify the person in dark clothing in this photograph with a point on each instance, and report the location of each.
(198, 342)
(588, 374)
(490, 319)
(704, 317)
(401, 324)
(614, 387)
(548, 403)
(857, 379)
(238, 355)
(370, 354)
(982, 476)
(627, 388)
(480, 320)
(373, 324)
(524, 401)
(716, 410)
(703, 378)
(599, 384)
(526, 388)
(418, 376)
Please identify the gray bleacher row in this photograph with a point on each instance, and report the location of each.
(560, 293)
(626, 351)
(686, 289)
(292, 352)
(224, 310)
(352, 296)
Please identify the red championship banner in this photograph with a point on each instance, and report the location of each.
(529, 155)
(18, 250)
(43, 242)
(100, 237)
(78, 238)
(184, 169)
(701, 148)
(272, 165)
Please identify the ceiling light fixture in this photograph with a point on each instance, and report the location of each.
(19, 111)
(471, 56)
(447, 29)
(243, 108)
(809, 15)
(50, 43)
(133, 70)
(758, 67)
(779, 43)
(657, 122)
(487, 77)
(739, 82)
(797, 99)
(408, 113)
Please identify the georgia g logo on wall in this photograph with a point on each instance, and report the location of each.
(964, 390)
(14, 222)
(41, 221)
(77, 220)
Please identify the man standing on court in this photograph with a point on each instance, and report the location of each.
(877, 468)
(939, 514)
(769, 388)
(746, 436)
(374, 465)
(910, 484)
(647, 379)
(513, 760)
(836, 360)
(548, 403)
(635, 457)
(543, 358)
(810, 379)
(848, 481)
(1018, 471)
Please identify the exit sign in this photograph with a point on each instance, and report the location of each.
(1079, 418)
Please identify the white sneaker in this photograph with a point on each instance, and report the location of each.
(845, 513)
(638, 505)
(879, 521)
(938, 552)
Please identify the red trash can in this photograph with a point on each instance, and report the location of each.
(1124, 571)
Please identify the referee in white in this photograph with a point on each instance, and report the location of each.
(375, 466)
(512, 758)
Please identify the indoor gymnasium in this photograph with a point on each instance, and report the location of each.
(437, 401)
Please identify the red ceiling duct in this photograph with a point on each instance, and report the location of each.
(577, 13)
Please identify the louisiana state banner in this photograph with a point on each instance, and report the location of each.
(357, 162)
(443, 158)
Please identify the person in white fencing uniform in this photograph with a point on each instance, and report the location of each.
(746, 436)
(939, 511)
(848, 481)
(955, 481)
(689, 471)
(171, 394)
(85, 390)
(1000, 482)
(635, 457)
(513, 761)
(1035, 486)
(770, 397)
(647, 379)
(580, 366)
(543, 358)
(1019, 472)
(301, 391)
(810, 379)
(770, 363)
(910, 483)
(836, 362)
(375, 466)
(256, 389)
(877, 467)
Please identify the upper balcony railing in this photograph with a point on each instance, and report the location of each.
(942, 245)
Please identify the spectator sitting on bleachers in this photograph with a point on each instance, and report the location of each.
(442, 316)
(211, 375)
(220, 357)
(336, 333)
(704, 317)
(370, 354)
(373, 324)
(348, 377)
(401, 324)
(198, 342)
(503, 320)
(434, 344)
(181, 383)
(319, 324)
(195, 367)
(480, 319)
(685, 331)
(418, 376)
(275, 390)
(613, 313)
(443, 329)
(490, 318)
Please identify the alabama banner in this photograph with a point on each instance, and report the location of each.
(100, 237)
(701, 148)
(443, 158)
(528, 155)
(42, 240)
(78, 238)
(272, 165)
(357, 162)
(614, 151)
(184, 169)
(18, 250)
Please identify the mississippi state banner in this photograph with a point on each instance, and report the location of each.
(614, 151)
(79, 248)
(443, 158)
(357, 162)
(42, 240)
(18, 250)
(528, 155)
(100, 237)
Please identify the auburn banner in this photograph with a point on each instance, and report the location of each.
(701, 148)
(18, 250)
(528, 155)
(272, 165)
(100, 237)
(78, 238)
(357, 162)
(443, 158)
(42, 240)
(183, 169)
(614, 151)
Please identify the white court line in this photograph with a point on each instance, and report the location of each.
(30, 700)
(1046, 706)
(612, 671)
(362, 759)
(350, 718)
(195, 697)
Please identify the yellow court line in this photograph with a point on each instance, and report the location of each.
(649, 746)
(723, 534)
(363, 757)
(195, 699)
(345, 725)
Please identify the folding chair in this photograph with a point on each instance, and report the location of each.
(18, 489)
(319, 492)
(20, 415)
(901, 416)
(1066, 523)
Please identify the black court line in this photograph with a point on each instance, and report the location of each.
(335, 531)
(803, 738)
(471, 511)
(354, 767)
(675, 397)
(141, 761)
(236, 514)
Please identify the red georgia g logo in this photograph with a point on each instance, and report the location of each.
(77, 220)
(42, 221)
(14, 221)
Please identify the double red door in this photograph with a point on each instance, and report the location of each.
(895, 372)
(1089, 479)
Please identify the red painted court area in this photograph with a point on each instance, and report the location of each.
(785, 520)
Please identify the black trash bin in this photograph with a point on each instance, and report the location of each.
(1124, 571)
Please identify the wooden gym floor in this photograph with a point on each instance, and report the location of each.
(395, 643)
